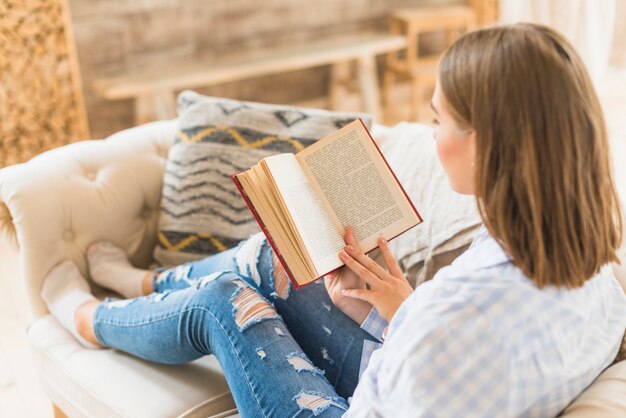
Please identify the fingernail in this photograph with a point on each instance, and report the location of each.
(349, 248)
(343, 291)
(383, 241)
(343, 254)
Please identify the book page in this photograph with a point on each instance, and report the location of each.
(351, 176)
(322, 238)
(295, 244)
(259, 191)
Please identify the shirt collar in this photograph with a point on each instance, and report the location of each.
(484, 252)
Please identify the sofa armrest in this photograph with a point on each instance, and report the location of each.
(604, 398)
(53, 206)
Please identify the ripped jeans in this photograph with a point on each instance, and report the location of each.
(284, 353)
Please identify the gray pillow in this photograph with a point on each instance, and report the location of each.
(201, 211)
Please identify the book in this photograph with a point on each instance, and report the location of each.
(303, 202)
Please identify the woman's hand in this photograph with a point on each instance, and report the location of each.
(387, 289)
(344, 278)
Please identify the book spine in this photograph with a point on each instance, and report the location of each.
(257, 217)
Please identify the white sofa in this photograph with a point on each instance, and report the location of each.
(54, 206)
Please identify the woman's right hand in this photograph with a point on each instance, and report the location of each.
(344, 278)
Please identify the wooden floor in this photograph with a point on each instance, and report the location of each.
(20, 394)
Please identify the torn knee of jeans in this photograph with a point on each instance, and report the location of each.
(281, 279)
(247, 257)
(205, 280)
(279, 331)
(302, 364)
(316, 402)
(182, 272)
(161, 275)
(122, 303)
(117, 303)
(240, 283)
(157, 297)
(176, 274)
(249, 307)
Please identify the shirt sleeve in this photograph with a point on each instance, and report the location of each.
(436, 361)
(374, 324)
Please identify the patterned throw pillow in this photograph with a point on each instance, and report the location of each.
(202, 212)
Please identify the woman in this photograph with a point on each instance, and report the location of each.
(519, 325)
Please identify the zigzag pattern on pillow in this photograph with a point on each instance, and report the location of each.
(201, 211)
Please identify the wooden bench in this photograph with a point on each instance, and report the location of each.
(154, 90)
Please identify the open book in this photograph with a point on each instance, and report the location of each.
(303, 202)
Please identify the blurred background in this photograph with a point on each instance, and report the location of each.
(72, 69)
(78, 69)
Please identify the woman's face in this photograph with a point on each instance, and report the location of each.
(456, 146)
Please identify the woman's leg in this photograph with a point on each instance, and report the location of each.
(332, 340)
(223, 315)
(188, 274)
(110, 268)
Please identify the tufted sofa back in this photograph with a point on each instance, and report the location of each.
(58, 203)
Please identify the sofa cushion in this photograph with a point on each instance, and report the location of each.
(604, 398)
(201, 210)
(55, 205)
(108, 383)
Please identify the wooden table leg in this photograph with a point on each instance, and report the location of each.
(368, 83)
(155, 106)
(389, 78)
(339, 79)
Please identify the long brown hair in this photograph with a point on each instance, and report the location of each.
(543, 178)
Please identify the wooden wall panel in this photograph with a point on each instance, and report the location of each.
(118, 37)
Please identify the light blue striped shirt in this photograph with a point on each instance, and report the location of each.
(480, 340)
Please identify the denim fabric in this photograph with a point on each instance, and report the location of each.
(293, 354)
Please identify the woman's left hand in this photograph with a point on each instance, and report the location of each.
(388, 289)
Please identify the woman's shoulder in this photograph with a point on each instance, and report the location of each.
(523, 315)
(503, 288)
(515, 334)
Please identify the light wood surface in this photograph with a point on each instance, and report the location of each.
(487, 11)
(118, 37)
(413, 65)
(154, 89)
